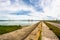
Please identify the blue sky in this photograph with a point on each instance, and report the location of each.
(29, 9)
(21, 12)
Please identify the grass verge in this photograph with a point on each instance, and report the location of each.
(40, 37)
(54, 29)
(5, 29)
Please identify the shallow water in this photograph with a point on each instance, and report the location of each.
(17, 22)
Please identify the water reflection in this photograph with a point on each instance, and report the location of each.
(17, 22)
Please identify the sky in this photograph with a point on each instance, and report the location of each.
(29, 9)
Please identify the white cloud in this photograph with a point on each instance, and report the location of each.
(50, 7)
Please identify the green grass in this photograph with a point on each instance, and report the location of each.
(54, 29)
(40, 37)
(6, 29)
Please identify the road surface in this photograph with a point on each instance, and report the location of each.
(31, 32)
(47, 34)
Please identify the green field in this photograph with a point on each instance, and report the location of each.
(54, 29)
(5, 29)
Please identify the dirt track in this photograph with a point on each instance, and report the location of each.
(47, 34)
(31, 33)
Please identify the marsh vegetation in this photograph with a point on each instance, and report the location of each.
(9, 28)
